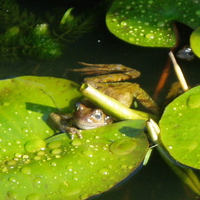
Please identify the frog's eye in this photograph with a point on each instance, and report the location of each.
(79, 106)
(98, 114)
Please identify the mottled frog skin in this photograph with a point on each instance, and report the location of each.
(125, 92)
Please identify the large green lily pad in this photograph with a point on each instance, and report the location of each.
(150, 22)
(180, 128)
(36, 164)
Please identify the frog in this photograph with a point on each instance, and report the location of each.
(109, 81)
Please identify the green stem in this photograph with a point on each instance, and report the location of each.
(112, 106)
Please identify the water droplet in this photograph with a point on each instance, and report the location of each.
(37, 158)
(33, 196)
(76, 142)
(12, 179)
(123, 23)
(6, 104)
(54, 144)
(25, 130)
(104, 171)
(193, 100)
(25, 170)
(88, 153)
(149, 36)
(54, 164)
(84, 196)
(197, 12)
(68, 189)
(11, 162)
(69, 167)
(56, 151)
(131, 39)
(123, 146)
(161, 24)
(37, 180)
(35, 145)
(12, 195)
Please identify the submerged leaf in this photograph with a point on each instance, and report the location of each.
(180, 128)
(36, 164)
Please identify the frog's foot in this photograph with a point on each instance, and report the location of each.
(73, 131)
(123, 72)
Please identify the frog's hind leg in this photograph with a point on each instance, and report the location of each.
(146, 100)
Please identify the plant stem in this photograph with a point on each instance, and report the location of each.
(112, 106)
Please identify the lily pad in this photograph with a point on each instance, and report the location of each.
(36, 164)
(195, 41)
(25, 104)
(180, 128)
(150, 22)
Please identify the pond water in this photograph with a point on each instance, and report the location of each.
(156, 180)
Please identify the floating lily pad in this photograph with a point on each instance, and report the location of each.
(195, 41)
(150, 22)
(36, 164)
(25, 104)
(180, 128)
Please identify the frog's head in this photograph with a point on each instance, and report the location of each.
(88, 118)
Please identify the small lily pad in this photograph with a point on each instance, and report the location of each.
(195, 41)
(37, 164)
(150, 22)
(180, 128)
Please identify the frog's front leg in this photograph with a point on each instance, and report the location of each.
(145, 99)
(112, 73)
(62, 123)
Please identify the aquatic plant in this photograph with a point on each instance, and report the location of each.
(151, 22)
(23, 34)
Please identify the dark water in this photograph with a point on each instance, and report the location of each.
(155, 181)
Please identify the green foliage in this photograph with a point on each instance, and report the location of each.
(150, 22)
(36, 164)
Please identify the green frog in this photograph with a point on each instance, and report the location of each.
(108, 80)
